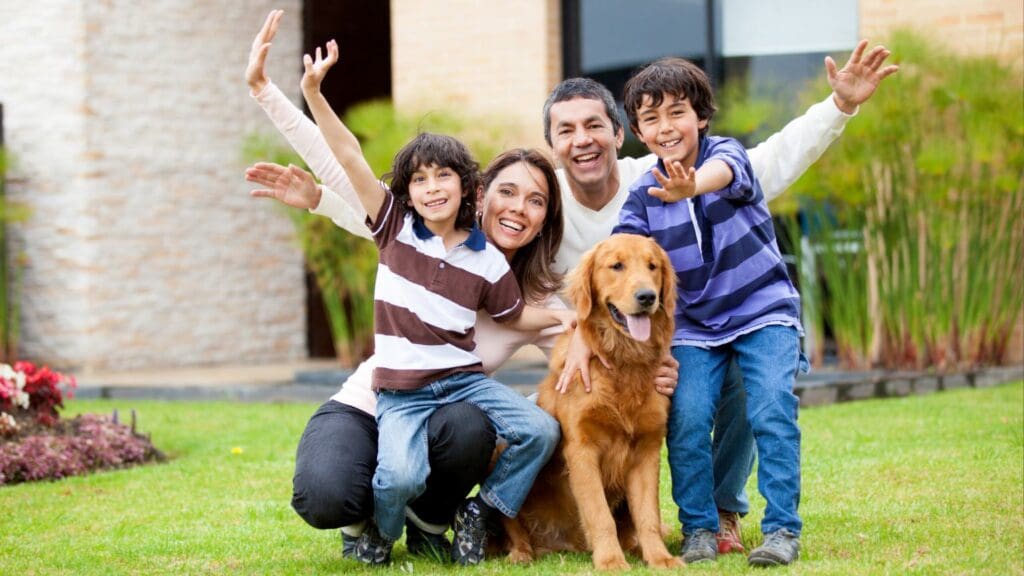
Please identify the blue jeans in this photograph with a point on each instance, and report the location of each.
(402, 462)
(732, 447)
(769, 359)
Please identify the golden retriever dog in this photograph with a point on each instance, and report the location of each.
(600, 488)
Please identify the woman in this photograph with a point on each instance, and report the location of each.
(520, 212)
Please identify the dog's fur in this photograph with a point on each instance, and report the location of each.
(605, 472)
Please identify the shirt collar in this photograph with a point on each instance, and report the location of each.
(476, 240)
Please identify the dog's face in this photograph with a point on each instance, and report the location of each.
(627, 277)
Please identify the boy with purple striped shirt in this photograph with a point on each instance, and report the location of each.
(704, 206)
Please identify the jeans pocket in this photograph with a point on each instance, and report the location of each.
(803, 365)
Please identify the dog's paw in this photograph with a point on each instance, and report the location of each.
(612, 562)
(519, 556)
(668, 561)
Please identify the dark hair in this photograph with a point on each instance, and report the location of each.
(531, 264)
(572, 88)
(428, 149)
(675, 76)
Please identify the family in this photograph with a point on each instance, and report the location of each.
(471, 264)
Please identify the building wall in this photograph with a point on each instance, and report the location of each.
(993, 27)
(497, 60)
(126, 121)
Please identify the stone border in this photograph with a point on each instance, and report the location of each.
(846, 387)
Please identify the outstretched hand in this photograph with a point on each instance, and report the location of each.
(317, 69)
(292, 185)
(679, 184)
(255, 74)
(855, 82)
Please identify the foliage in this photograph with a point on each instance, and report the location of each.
(37, 391)
(915, 213)
(345, 265)
(87, 443)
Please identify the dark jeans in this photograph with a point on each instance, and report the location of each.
(337, 456)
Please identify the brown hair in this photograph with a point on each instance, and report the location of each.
(428, 149)
(671, 75)
(531, 264)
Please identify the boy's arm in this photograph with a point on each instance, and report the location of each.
(342, 142)
(533, 318)
(730, 164)
(786, 155)
(633, 216)
(681, 183)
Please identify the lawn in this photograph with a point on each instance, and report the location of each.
(921, 485)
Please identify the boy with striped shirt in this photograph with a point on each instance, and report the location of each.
(735, 301)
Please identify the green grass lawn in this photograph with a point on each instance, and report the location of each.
(923, 485)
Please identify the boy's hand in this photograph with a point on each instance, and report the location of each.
(667, 377)
(855, 82)
(577, 359)
(679, 184)
(292, 185)
(255, 76)
(317, 69)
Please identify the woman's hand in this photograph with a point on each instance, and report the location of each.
(577, 359)
(667, 377)
(317, 69)
(255, 74)
(292, 185)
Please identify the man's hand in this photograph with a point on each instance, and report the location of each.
(292, 185)
(667, 377)
(317, 69)
(679, 184)
(255, 75)
(855, 82)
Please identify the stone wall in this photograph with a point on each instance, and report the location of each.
(498, 60)
(126, 122)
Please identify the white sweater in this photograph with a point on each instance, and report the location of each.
(777, 162)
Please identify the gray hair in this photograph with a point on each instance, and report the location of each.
(572, 88)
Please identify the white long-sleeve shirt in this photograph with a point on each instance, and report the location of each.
(777, 163)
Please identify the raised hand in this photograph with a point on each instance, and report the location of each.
(255, 75)
(680, 183)
(317, 69)
(292, 185)
(855, 82)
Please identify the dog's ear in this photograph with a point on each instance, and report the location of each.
(580, 285)
(668, 281)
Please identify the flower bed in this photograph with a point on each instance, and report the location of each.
(36, 445)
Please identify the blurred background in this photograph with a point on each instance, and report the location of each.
(129, 240)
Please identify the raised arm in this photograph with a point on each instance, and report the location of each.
(339, 138)
(339, 201)
(787, 154)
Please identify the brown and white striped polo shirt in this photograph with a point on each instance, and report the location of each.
(426, 298)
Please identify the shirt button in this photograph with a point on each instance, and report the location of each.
(441, 265)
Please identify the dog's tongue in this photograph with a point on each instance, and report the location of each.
(639, 327)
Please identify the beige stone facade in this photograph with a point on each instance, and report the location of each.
(495, 59)
(126, 122)
(994, 27)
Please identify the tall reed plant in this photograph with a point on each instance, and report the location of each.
(921, 244)
(345, 265)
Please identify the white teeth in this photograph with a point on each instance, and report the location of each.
(436, 203)
(586, 157)
(670, 143)
(513, 225)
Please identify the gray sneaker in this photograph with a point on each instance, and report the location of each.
(700, 546)
(780, 548)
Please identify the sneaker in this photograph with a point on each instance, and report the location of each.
(422, 543)
(729, 533)
(470, 541)
(373, 548)
(780, 548)
(700, 546)
(348, 545)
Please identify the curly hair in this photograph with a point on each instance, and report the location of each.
(428, 149)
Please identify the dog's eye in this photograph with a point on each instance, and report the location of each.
(651, 266)
(617, 266)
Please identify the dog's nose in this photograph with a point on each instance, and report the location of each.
(645, 297)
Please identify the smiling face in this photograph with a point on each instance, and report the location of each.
(584, 141)
(435, 193)
(514, 207)
(671, 129)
